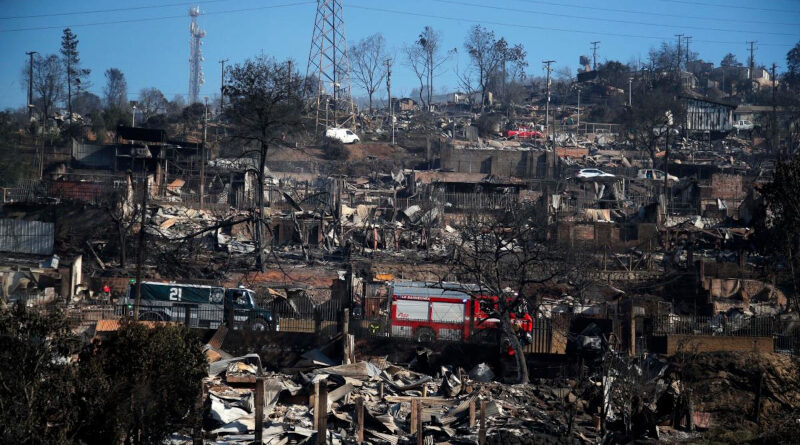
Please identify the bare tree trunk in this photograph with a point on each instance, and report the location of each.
(123, 253)
(259, 213)
(516, 345)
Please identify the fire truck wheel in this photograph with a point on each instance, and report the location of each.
(152, 316)
(424, 335)
(257, 325)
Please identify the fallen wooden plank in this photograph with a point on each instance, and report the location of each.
(427, 400)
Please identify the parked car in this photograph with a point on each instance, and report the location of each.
(658, 175)
(342, 135)
(587, 173)
(743, 125)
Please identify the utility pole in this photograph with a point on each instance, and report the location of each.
(774, 129)
(594, 55)
(751, 65)
(203, 156)
(547, 111)
(630, 89)
(687, 39)
(222, 84)
(140, 252)
(389, 93)
(547, 104)
(579, 112)
(680, 44)
(30, 83)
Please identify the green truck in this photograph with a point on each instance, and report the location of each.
(200, 306)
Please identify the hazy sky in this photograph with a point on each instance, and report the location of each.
(149, 40)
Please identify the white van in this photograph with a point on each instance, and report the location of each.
(342, 135)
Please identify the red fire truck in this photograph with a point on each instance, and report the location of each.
(427, 313)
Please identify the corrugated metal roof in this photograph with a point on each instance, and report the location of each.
(31, 237)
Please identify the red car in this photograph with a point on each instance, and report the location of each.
(523, 133)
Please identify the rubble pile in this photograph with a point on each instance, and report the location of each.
(446, 406)
(726, 384)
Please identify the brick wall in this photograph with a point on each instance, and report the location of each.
(725, 186)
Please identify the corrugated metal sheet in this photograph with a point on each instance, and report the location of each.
(708, 116)
(31, 237)
(93, 155)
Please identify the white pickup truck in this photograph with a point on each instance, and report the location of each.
(743, 125)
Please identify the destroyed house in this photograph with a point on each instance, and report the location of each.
(151, 147)
(707, 116)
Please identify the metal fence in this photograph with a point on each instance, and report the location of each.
(785, 333)
(719, 325)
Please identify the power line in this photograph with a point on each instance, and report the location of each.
(608, 20)
(657, 14)
(98, 11)
(182, 16)
(543, 28)
(725, 5)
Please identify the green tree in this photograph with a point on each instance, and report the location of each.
(783, 204)
(730, 61)
(135, 387)
(792, 75)
(72, 61)
(47, 83)
(36, 378)
(651, 116)
(489, 55)
(265, 105)
(139, 386)
(116, 89)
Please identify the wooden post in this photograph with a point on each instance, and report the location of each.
(420, 430)
(757, 407)
(424, 390)
(197, 431)
(472, 413)
(482, 430)
(321, 411)
(259, 417)
(345, 332)
(632, 326)
(380, 390)
(414, 415)
(360, 420)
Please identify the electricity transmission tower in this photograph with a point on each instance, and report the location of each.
(195, 56)
(329, 66)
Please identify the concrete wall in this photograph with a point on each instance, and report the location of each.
(503, 163)
(711, 343)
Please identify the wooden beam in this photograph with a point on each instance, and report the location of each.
(360, 420)
(259, 415)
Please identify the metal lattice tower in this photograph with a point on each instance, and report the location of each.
(327, 60)
(196, 77)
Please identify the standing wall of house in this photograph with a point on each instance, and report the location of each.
(704, 116)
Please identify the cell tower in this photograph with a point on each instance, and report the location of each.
(327, 60)
(196, 77)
